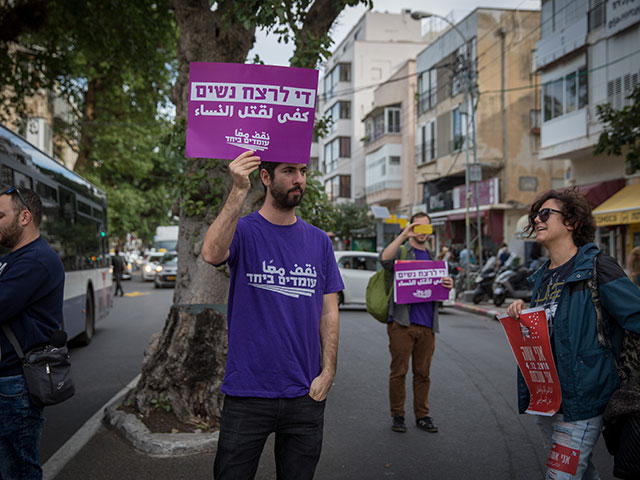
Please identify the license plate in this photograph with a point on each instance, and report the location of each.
(171, 278)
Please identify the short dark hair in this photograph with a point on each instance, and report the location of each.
(270, 168)
(418, 215)
(576, 212)
(32, 199)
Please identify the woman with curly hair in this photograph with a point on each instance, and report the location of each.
(563, 224)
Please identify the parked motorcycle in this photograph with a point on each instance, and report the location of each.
(484, 281)
(512, 283)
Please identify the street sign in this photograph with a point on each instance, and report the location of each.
(380, 211)
(475, 173)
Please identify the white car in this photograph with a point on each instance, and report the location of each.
(356, 268)
(148, 266)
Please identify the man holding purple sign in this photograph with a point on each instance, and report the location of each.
(282, 324)
(411, 330)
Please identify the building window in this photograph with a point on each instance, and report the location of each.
(340, 73)
(597, 14)
(393, 120)
(427, 149)
(566, 94)
(556, 15)
(345, 147)
(387, 121)
(619, 89)
(338, 187)
(457, 130)
(394, 160)
(340, 110)
(428, 90)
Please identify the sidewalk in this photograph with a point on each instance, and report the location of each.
(100, 452)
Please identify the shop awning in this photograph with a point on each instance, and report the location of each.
(621, 209)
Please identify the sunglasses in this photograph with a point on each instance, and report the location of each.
(543, 214)
(9, 191)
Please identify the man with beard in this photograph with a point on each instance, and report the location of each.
(411, 331)
(31, 296)
(282, 319)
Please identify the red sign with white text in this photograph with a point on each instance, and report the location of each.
(564, 459)
(529, 341)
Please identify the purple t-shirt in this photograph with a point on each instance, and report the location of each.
(279, 274)
(421, 313)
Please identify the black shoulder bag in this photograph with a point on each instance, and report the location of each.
(47, 369)
(622, 416)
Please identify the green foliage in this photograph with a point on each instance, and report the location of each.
(621, 131)
(111, 61)
(350, 217)
(161, 402)
(315, 207)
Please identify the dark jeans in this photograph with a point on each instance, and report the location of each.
(248, 421)
(20, 429)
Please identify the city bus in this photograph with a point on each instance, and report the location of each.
(74, 223)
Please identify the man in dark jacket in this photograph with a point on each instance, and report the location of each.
(31, 297)
(411, 331)
(118, 269)
(563, 224)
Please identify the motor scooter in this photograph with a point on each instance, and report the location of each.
(512, 283)
(484, 281)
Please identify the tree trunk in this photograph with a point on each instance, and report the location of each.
(88, 116)
(185, 363)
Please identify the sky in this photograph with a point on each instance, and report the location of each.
(273, 53)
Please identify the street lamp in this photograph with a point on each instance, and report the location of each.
(419, 15)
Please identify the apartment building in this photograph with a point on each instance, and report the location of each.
(37, 126)
(487, 154)
(374, 48)
(588, 55)
(389, 142)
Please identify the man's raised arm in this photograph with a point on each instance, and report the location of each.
(215, 249)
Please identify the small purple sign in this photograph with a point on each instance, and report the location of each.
(418, 281)
(235, 107)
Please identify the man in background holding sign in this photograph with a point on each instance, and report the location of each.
(411, 330)
(282, 324)
(563, 224)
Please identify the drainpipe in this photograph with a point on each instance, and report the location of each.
(503, 34)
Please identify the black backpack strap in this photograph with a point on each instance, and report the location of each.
(13, 340)
(603, 336)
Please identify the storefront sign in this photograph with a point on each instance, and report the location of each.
(529, 342)
(621, 14)
(417, 281)
(235, 107)
(617, 218)
(487, 189)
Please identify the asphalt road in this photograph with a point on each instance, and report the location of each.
(472, 400)
(110, 362)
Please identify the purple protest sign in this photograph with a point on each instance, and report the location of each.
(418, 281)
(235, 107)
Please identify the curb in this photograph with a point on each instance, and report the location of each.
(71, 447)
(491, 313)
(157, 444)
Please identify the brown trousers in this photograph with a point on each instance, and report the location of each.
(418, 343)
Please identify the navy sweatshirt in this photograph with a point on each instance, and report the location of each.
(31, 298)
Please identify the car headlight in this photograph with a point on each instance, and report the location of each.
(147, 268)
(159, 268)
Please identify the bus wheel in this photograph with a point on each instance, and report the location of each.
(89, 321)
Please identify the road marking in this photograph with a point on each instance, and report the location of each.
(136, 294)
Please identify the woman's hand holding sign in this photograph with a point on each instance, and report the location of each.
(241, 167)
(515, 308)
